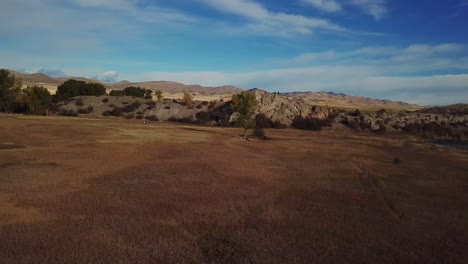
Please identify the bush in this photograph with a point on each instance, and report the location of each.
(67, 112)
(181, 120)
(205, 103)
(139, 117)
(79, 102)
(72, 88)
(87, 110)
(260, 132)
(131, 107)
(167, 107)
(309, 123)
(105, 100)
(152, 118)
(211, 105)
(199, 106)
(130, 116)
(150, 105)
(262, 122)
(117, 111)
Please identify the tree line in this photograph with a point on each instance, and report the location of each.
(38, 100)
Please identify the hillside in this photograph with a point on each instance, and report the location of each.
(456, 109)
(344, 101)
(165, 86)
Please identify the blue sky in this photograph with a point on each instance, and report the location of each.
(415, 51)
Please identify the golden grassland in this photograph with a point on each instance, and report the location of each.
(84, 190)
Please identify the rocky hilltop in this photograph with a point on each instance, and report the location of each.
(282, 110)
(344, 101)
(278, 112)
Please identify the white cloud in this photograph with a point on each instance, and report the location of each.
(389, 59)
(266, 22)
(54, 73)
(324, 5)
(375, 8)
(109, 76)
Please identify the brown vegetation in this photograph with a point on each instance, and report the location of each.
(81, 190)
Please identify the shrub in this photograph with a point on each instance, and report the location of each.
(131, 107)
(260, 132)
(181, 120)
(139, 117)
(205, 103)
(117, 111)
(199, 106)
(130, 116)
(396, 160)
(79, 102)
(152, 118)
(167, 107)
(150, 105)
(67, 112)
(308, 123)
(87, 110)
(261, 121)
(105, 100)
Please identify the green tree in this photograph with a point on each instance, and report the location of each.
(148, 94)
(10, 88)
(72, 88)
(117, 93)
(158, 95)
(245, 105)
(36, 99)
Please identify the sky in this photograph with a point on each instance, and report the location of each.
(414, 51)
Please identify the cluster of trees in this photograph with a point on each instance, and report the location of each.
(136, 92)
(32, 99)
(72, 88)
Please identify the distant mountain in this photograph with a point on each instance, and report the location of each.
(165, 86)
(54, 73)
(340, 100)
(330, 99)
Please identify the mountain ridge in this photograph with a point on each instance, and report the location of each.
(327, 99)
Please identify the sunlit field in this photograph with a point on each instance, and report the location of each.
(83, 190)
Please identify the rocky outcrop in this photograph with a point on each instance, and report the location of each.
(427, 125)
(278, 111)
(282, 110)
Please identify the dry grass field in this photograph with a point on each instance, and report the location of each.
(76, 190)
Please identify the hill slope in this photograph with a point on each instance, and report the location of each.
(344, 101)
(165, 86)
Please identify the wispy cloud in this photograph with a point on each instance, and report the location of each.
(392, 59)
(54, 73)
(419, 73)
(375, 8)
(109, 76)
(265, 22)
(324, 5)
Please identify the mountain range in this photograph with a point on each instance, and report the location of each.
(330, 99)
